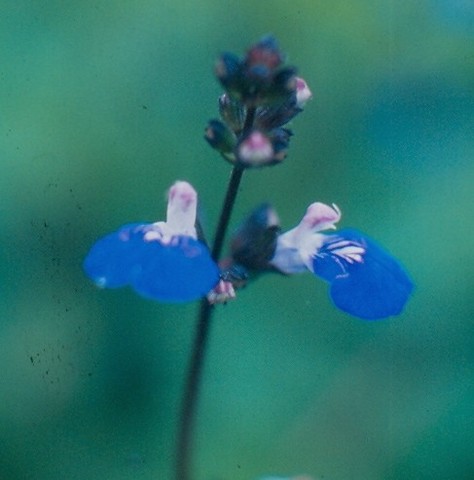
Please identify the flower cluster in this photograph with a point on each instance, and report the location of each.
(166, 261)
(170, 261)
(261, 96)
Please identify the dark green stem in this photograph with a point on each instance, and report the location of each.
(188, 413)
(193, 380)
(226, 212)
(194, 375)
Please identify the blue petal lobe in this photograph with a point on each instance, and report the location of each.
(376, 288)
(114, 259)
(180, 271)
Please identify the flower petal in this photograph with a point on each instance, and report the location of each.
(366, 281)
(180, 271)
(114, 259)
(176, 269)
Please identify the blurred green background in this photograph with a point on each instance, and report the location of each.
(102, 106)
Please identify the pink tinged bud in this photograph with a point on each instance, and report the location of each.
(265, 53)
(221, 293)
(181, 212)
(303, 93)
(255, 150)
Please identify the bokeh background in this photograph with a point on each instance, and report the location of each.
(102, 106)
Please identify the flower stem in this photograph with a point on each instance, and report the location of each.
(188, 412)
(194, 374)
(226, 212)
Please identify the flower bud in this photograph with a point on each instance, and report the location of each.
(255, 150)
(274, 116)
(228, 70)
(221, 138)
(232, 112)
(303, 93)
(280, 138)
(283, 85)
(263, 59)
(254, 243)
(259, 78)
(264, 52)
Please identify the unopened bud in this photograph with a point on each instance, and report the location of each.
(228, 71)
(263, 57)
(232, 112)
(220, 137)
(255, 150)
(254, 243)
(303, 93)
(280, 141)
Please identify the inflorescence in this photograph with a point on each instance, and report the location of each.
(168, 262)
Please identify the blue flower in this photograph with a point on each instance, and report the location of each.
(163, 260)
(365, 280)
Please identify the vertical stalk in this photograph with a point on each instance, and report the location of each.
(194, 375)
(188, 412)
